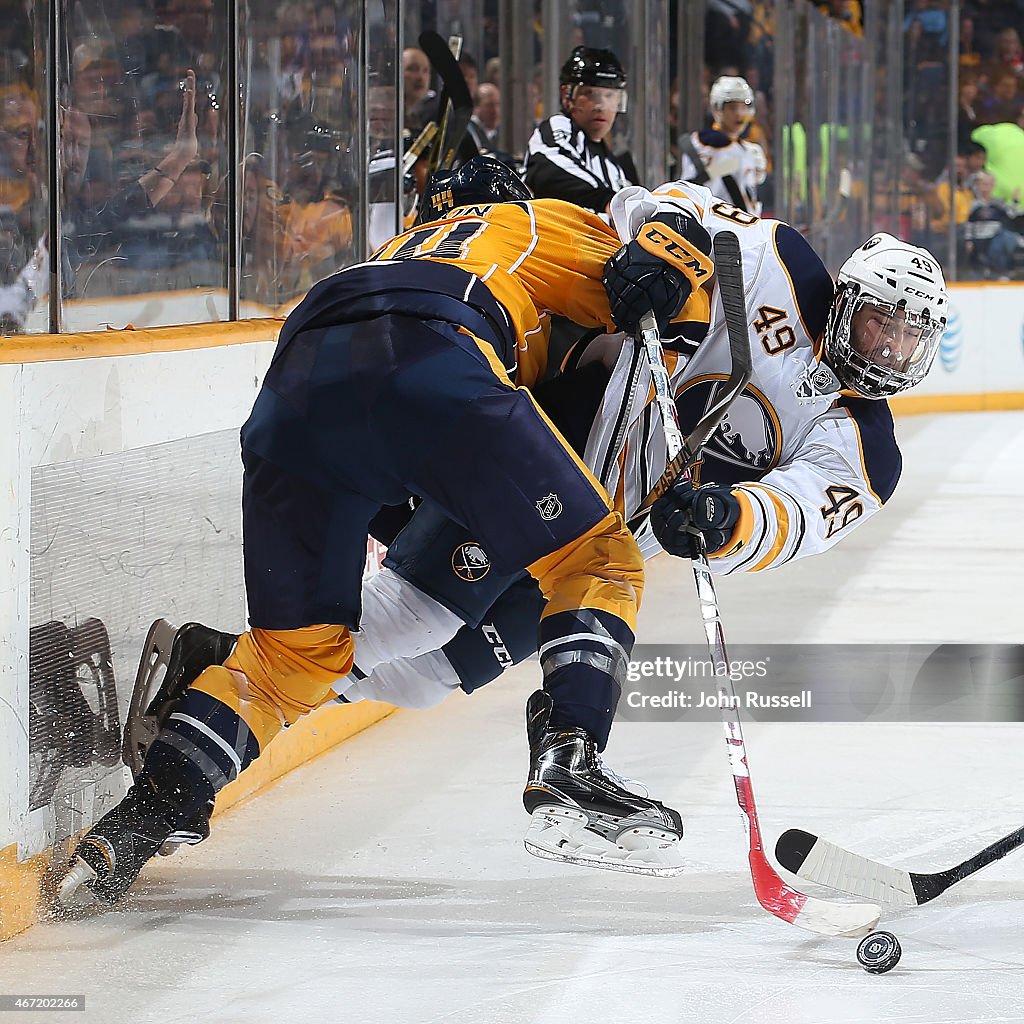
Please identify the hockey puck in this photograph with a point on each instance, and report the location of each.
(879, 952)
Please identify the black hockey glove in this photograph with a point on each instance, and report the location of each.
(657, 271)
(684, 510)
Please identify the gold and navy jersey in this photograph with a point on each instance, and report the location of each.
(536, 258)
(806, 472)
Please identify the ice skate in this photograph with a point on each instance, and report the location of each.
(109, 858)
(583, 813)
(171, 661)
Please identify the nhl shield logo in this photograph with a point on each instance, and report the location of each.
(549, 507)
(470, 562)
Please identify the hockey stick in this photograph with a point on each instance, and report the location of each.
(683, 453)
(779, 899)
(419, 146)
(454, 121)
(820, 861)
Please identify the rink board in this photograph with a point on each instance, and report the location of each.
(980, 365)
(120, 503)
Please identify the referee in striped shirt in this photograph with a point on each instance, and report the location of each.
(567, 156)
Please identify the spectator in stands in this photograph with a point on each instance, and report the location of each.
(938, 198)
(762, 39)
(87, 226)
(990, 236)
(568, 156)
(416, 71)
(847, 12)
(970, 57)
(380, 113)
(1007, 57)
(726, 30)
(967, 115)
(485, 123)
(1002, 102)
(315, 218)
(719, 157)
(22, 205)
(331, 100)
(19, 118)
(468, 67)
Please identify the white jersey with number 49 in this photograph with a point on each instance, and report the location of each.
(806, 472)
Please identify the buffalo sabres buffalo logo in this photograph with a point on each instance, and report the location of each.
(549, 507)
(746, 444)
(470, 562)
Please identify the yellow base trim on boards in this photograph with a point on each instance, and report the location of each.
(44, 348)
(20, 887)
(996, 401)
(22, 882)
(307, 739)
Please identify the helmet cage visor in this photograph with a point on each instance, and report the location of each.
(878, 348)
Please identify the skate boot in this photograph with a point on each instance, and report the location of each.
(108, 859)
(583, 813)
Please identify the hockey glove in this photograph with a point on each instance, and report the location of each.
(723, 164)
(657, 271)
(684, 510)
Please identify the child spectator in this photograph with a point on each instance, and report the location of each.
(991, 240)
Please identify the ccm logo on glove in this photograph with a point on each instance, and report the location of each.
(661, 241)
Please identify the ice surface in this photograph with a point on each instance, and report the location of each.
(387, 881)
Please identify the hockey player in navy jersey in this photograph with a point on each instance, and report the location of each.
(398, 378)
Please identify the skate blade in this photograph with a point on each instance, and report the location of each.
(140, 730)
(71, 884)
(561, 833)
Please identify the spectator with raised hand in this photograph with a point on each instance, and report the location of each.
(568, 156)
(88, 226)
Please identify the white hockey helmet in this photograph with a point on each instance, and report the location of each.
(730, 89)
(887, 318)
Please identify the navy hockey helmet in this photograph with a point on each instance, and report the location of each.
(482, 180)
(589, 66)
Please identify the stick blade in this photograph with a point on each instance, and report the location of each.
(836, 920)
(818, 860)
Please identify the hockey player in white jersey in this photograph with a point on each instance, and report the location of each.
(718, 157)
